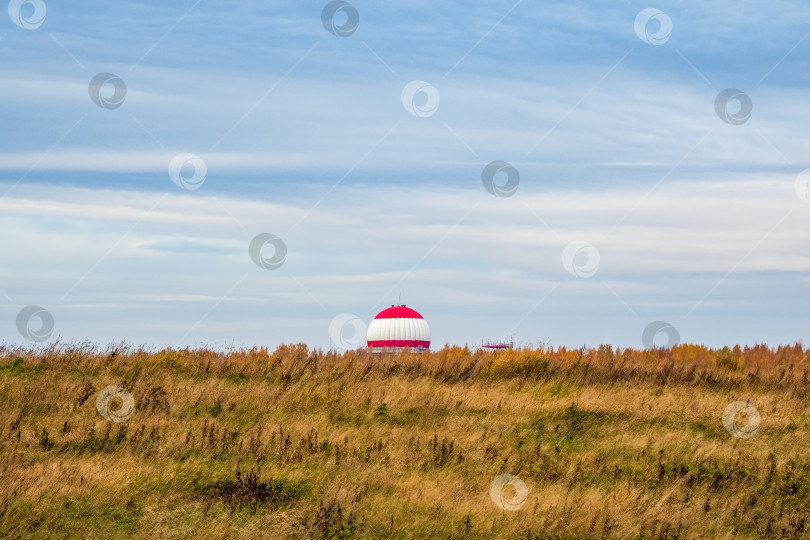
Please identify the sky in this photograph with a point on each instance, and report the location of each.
(561, 173)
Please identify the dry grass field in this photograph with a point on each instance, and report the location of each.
(296, 443)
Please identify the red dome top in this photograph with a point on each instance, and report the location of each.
(398, 312)
(398, 327)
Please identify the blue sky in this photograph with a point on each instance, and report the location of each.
(304, 135)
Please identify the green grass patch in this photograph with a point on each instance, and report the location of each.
(559, 389)
(709, 430)
(236, 378)
(93, 443)
(17, 368)
(99, 515)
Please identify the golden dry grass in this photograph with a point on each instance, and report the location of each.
(297, 443)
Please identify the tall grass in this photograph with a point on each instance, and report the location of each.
(307, 443)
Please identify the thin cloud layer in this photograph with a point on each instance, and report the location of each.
(459, 254)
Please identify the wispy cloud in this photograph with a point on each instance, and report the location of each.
(500, 255)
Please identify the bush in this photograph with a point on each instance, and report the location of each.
(724, 359)
(517, 363)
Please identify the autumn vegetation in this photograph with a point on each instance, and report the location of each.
(301, 443)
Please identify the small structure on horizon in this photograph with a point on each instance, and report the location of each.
(397, 328)
(495, 345)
